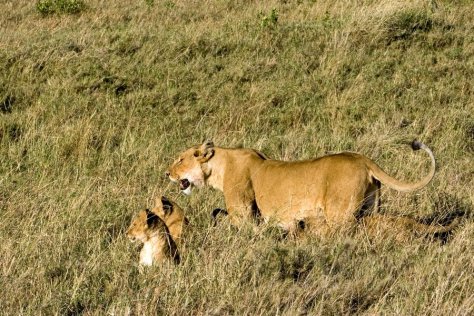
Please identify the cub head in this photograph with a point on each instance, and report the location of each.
(188, 170)
(142, 225)
(163, 208)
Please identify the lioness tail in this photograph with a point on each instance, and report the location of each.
(398, 185)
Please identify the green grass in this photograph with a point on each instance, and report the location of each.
(47, 7)
(95, 105)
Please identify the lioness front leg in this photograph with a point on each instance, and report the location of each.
(239, 215)
(240, 209)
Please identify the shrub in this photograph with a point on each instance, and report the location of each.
(48, 7)
(269, 20)
(403, 24)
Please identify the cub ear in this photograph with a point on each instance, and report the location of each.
(151, 218)
(158, 202)
(167, 206)
(205, 151)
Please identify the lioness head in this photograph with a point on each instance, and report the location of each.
(188, 169)
(143, 225)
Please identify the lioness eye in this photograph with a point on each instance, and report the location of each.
(196, 153)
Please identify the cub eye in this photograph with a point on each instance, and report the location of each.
(179, 161)
(196, 154)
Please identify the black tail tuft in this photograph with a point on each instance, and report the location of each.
(416, 145)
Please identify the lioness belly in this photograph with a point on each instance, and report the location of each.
(288, 203)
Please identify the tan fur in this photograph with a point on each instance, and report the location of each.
(151, 230)
(329, 191)
(172, 215)
(401, 228)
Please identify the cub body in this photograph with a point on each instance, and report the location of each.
(172, 215)
(151, 230)
(160, 230)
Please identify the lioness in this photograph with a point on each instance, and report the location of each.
(327, 192)
(151, 230)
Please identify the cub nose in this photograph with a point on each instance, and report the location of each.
(167, 174)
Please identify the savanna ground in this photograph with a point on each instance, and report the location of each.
(97, 98)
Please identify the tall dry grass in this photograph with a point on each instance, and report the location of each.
(95, 105)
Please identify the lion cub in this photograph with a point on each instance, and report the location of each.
(172, 215)
(159, 230)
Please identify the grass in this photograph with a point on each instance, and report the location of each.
(46, 7)
(95, 105)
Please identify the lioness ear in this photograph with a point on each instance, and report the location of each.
(205, 151)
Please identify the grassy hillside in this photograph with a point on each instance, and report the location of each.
(98, 97)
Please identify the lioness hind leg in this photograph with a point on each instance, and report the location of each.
(344, 198)
(341, 212)
(371, 203)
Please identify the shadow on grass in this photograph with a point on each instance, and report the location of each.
(447, 209)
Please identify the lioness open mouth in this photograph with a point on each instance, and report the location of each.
(184, 184)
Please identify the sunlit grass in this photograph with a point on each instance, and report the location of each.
(95, 105)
